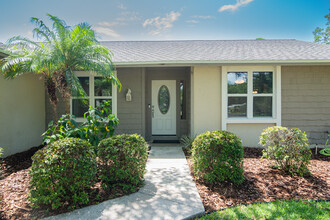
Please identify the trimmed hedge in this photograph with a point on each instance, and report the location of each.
(62, 174)
(218, 156)
(122, 160)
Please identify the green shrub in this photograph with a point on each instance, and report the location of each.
(288, 147)
(99, 124)
(123, 160)
(218, 156)
(62, 174)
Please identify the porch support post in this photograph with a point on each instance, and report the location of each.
(278, 96)
(223, 98)
(143, 98)
(192, 131)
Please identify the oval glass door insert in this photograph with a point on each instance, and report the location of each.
(163, 99)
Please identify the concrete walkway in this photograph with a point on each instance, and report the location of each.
(169, 192)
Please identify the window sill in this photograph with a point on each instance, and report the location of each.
(261, 120)
(79, 120)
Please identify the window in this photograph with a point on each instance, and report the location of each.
(183, 105)
(250, 94)
(258, 90)
(98, 89)
(262, 94)
(237, 94)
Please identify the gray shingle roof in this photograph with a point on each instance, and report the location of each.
(216, 51)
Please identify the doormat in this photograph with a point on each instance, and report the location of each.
(166, 141)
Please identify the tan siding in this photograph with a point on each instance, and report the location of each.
(306, 100)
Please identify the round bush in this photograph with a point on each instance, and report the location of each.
(62, 174)
(218, 156)
(289, 148)
(122, 160)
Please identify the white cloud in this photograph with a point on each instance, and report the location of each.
(127, 16)
(192, 21)
(202, 16)
(107, 24)
(198, 18)
(161, 24)
(234, 7)
(106, 31)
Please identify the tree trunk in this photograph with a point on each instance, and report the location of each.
(67, 105)
(54, 106)
(51, 91)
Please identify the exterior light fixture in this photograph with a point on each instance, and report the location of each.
(129, 95)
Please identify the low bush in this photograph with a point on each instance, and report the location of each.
(62, 174)
(288, 148)
(122, 160)
(218, 156)
(99, 124)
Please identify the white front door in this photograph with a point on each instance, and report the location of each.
(163, 108)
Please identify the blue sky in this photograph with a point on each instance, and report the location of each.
(172, 19)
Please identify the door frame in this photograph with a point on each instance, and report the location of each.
(166, 73)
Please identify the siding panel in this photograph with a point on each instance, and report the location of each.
(306, 100)
(130, 113)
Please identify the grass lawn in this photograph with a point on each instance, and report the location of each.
(275, 210)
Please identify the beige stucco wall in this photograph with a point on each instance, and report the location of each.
(205, 99)
(22, 113)
(306, 100)
(206, 107)
(249, 133)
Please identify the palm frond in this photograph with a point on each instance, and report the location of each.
(63, 51)
(75, 86)
(42, 30)
(21, 42)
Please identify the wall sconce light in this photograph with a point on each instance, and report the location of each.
(129, 95)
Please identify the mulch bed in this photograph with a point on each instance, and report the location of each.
(264, 184)
(14, 189)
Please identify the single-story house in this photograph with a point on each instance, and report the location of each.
(176, 88)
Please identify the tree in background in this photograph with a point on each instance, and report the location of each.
(62, 50)
(322, 35)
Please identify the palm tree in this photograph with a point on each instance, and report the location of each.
(62, 51)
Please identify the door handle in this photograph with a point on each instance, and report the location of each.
(153, 111)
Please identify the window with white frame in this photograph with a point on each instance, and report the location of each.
(250, 94)
(98, 89)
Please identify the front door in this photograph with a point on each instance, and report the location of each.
(163, 110)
